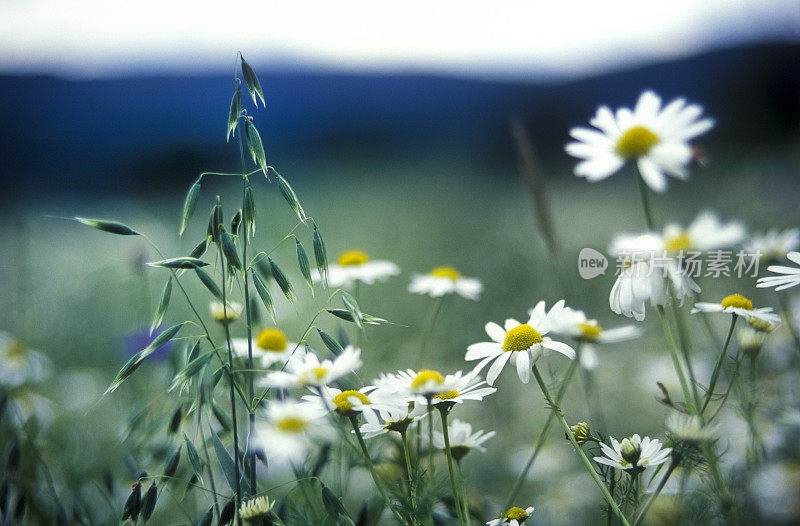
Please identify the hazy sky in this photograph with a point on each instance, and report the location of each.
(521, 39)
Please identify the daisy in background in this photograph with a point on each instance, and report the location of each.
(574, 323)
(706, 232)
(233, 311)
(741, 306)
(633, 453)
(462, 439)
(395, 418)
(349, 402)
(270, 346)
(787, 276)
(520, 343)
(305, 369)
(512, 517)
(445, 280)
(19, 364)
(355, 265)
(656, 138)
(291, 428)
(774, 245)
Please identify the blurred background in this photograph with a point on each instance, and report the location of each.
(400, 129)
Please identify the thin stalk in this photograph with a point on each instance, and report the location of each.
(542, 436)
(676, 362)
(429, 333)
(611, 487)
(718, 366)
(430, 436)
(412, 488)
(683, 338)
(371, 467)
(587, 464)
(208, 458)
(648, 212)
(462, 480)
(443, 410)
(233, 399)
(654, 496)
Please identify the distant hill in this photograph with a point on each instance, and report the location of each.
(102, 134)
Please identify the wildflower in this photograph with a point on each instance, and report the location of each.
(741, 306)
(355, 265)
(233, 311)
(512, 517)
(706, 232)
(774, 245)
(633, 453)
(575, 324)
(460, 387)
(395, 418)
(306, 369)
(291, 428)
(445, 280)
(690, 429)
(521, 343)
(789, 276)
(582, 433)
(751, 340)
(656, 138)
(270, 346)
(19, 364)
(408, 383)
(350, 402)
(462, 439)
(255, 510)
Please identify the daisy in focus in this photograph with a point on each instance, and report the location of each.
(656, 138)
(774, 245)
(633, 453)
(356, 265)
(306, 369)
(270, 346)
(741, 306)
(462, 439)
(787, 276)
(512, 517)
(445, 280)
(395, 418)
(426, 384)
(706, 232)
(291, 428)
(461, 387)
(350, 402)
(520, 343)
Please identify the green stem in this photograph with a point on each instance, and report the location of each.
(683, 338)
(587, 464)
(654, 496)
(715, 375)
(542, 435)
(208, 458)
(430, 436)
(412, 488)
(443, 410)
(676, 361)
(648, 212)
(462, 480)
(610, 514)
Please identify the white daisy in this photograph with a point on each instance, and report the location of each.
(445, 280)
(291, 428)
(461, 387)
(655, 137)
(392, 418)
(575, 324)
(269, 347)
(303, 370)
(366, 399)
(642, 282)
(20, 365)
(706, 232)
(633, 453)
(690, 429)
(218, 311)
(512, 517)
(521, 343)
(774, 245)
(426, 384)
(462, 439)
(789, 276)
(739, 305)
(355, 265)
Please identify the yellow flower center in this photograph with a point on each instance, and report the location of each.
(678, 243)
(343, 403)
(292, 424)
(320, 372)
(521, 337)
(589, 331)
(516, 514)
(272, 340)
(446, 272)
(447, 395)
(352, 258)
(760, 325)
(425, 376)
(636, 142)
(737, 301)
(15, 350)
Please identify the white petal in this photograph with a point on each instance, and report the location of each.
(652, 175)
(523, 367)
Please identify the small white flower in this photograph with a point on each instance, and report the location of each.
(445, 280)
(739, 305)
(306, 369)
(270, 346)
(390, 417)
(521, 343)
(774, 245)
(355, 265)
(512, 517)
(575, 324)
(460, 387)
(690, 429)
(219, 311)
(417, 387)
(656, 138)
(789, 276)
(366, 399)
(291, 428)
(642, 282)
(633, 452)
(706, 232)
(20, 365)
(462, 439)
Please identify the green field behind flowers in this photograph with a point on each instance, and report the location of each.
(73, 293)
